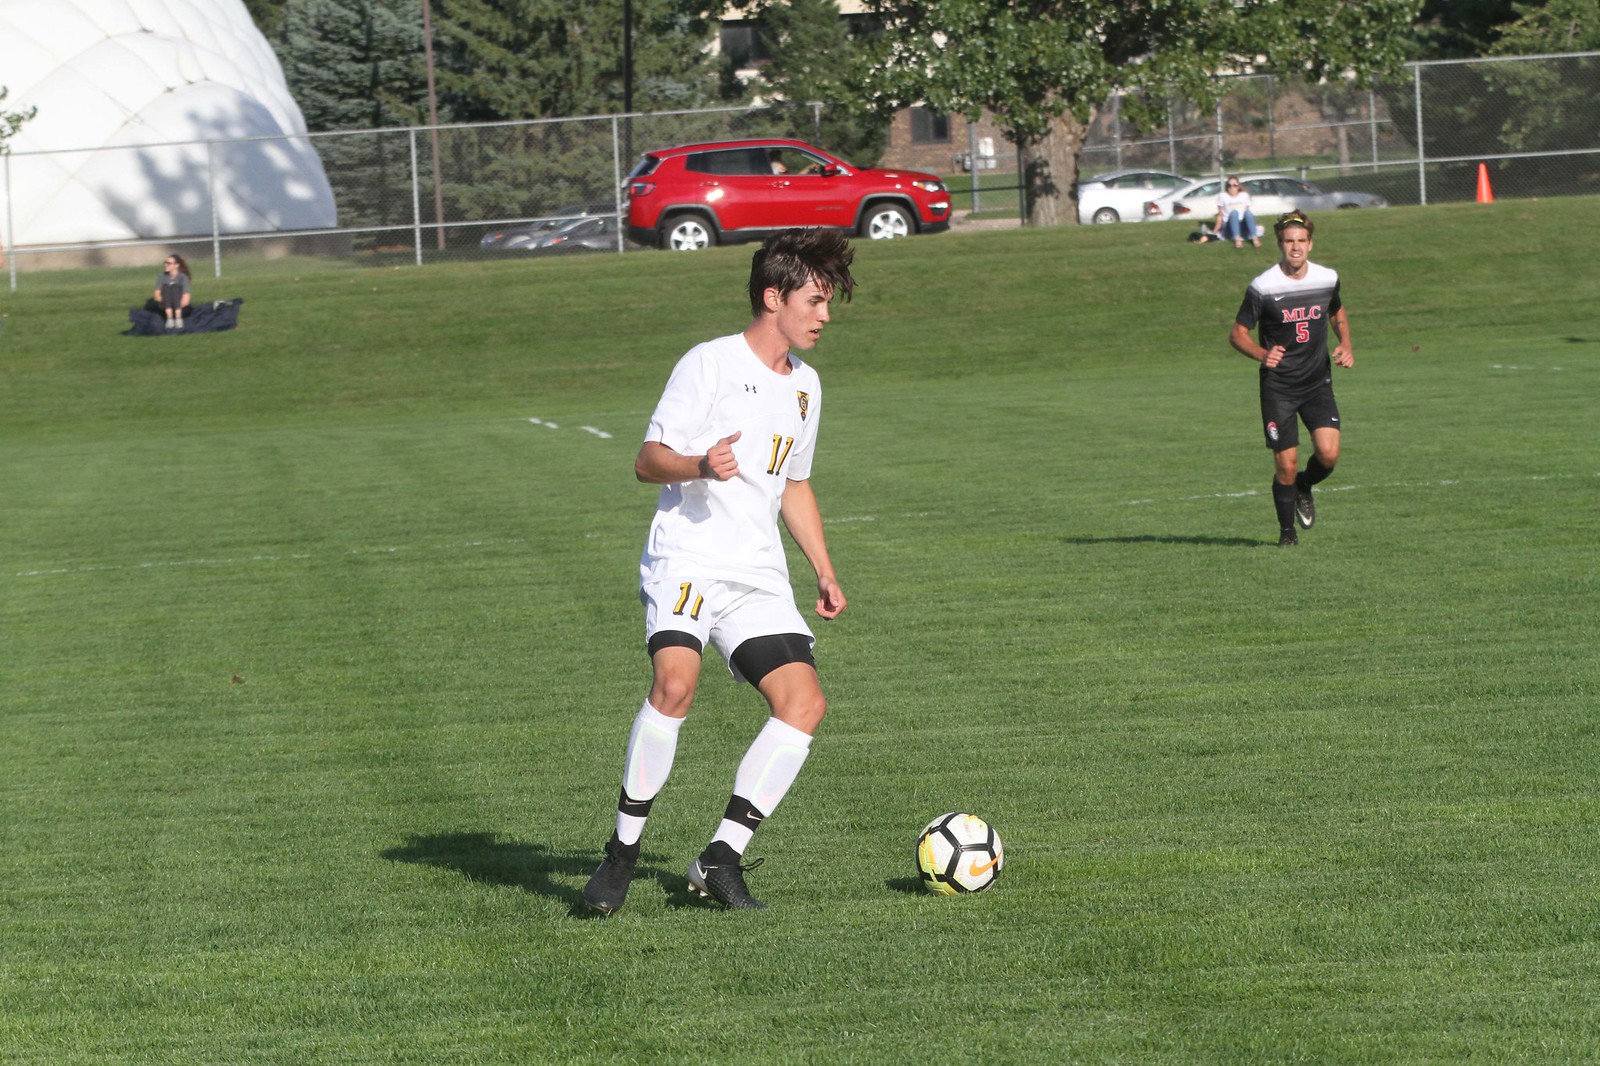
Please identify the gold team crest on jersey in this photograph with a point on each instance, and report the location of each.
(805, 403)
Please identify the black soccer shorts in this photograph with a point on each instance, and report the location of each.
(1315, 407)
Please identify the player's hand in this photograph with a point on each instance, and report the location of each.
(719, 463)
(1273, 357)
(1343, 356)
(830, 598)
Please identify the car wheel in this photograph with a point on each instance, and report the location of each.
(1106, 214)
(886, 221)
(687, 233)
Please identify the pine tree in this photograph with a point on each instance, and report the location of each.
(352, 65)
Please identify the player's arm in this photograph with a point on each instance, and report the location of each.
(1246, 345)
(1344, 354)
(658, 464)
(803, 519)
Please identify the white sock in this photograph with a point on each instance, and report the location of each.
(765, 774)
(652, 744)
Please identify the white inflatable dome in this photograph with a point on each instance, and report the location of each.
(128, 92)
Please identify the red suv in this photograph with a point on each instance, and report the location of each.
(696, 195)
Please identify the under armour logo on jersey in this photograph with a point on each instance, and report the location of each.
(805, 403)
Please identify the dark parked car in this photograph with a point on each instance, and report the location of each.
(697, 195)
(587, 228)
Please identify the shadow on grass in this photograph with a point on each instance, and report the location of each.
(911, 886)
(1156, 538)
(484, 858)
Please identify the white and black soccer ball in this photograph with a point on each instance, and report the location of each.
(959, 853)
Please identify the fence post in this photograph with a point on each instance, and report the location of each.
(1220, 163)
(1272, 121)
(616, 179)
(416, 199)
(1422, 152)
(11, 235)
(1172, 142)
(1372, 126)
(211, 184)
(972, 160)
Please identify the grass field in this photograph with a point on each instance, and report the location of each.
(320, 654)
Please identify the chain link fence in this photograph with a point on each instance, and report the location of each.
(1417, 140)
(417, 195)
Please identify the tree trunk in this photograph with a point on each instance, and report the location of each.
(1050, 173)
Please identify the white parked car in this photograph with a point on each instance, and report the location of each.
(1120, 195)
(1270, 196)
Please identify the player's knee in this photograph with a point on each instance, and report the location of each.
(805, 712)
(672, 695)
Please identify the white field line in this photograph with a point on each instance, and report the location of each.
(1445, 483)
(241, 560)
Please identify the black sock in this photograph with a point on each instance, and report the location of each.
(1313, 473)
(1283, 502)
(719, 853)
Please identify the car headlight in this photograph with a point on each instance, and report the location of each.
(929, 186)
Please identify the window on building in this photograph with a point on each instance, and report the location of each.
(744, 43)
(929, 127)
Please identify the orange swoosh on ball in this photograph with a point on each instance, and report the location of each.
(975, 870)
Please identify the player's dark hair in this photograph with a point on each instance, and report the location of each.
(1293, 218)
(183, 266)
(787, 260)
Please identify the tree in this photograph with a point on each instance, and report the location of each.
(1041, 66)
(267, 15)
(517, 59)
(11, 121)
(1458, 29)
(1555, 26)
(816, 59)
(351, 65)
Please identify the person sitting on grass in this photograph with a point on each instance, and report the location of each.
(172, 290)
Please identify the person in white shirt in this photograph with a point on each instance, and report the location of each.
(731, 444)
(1234, 217)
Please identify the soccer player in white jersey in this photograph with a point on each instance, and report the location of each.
(731, 444)
(1294, 302)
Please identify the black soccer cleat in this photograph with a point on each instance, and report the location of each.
(1305, 511)
(1288, 539)
(607, 890)
(724, 883)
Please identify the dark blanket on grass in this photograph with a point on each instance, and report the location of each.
(214, 317)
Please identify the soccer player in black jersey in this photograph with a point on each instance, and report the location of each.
(1293, 303)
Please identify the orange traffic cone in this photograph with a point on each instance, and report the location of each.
(1485, 194)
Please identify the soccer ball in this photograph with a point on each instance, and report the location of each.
(959, 853)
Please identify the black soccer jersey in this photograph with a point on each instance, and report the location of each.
(1293, 312)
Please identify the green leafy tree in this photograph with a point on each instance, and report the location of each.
(1551, 104)
(1041, 66)
(1458, 29)
(817, 60)
(1555, 26)
(12, 121)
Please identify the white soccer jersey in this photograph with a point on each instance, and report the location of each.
(728, 530)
